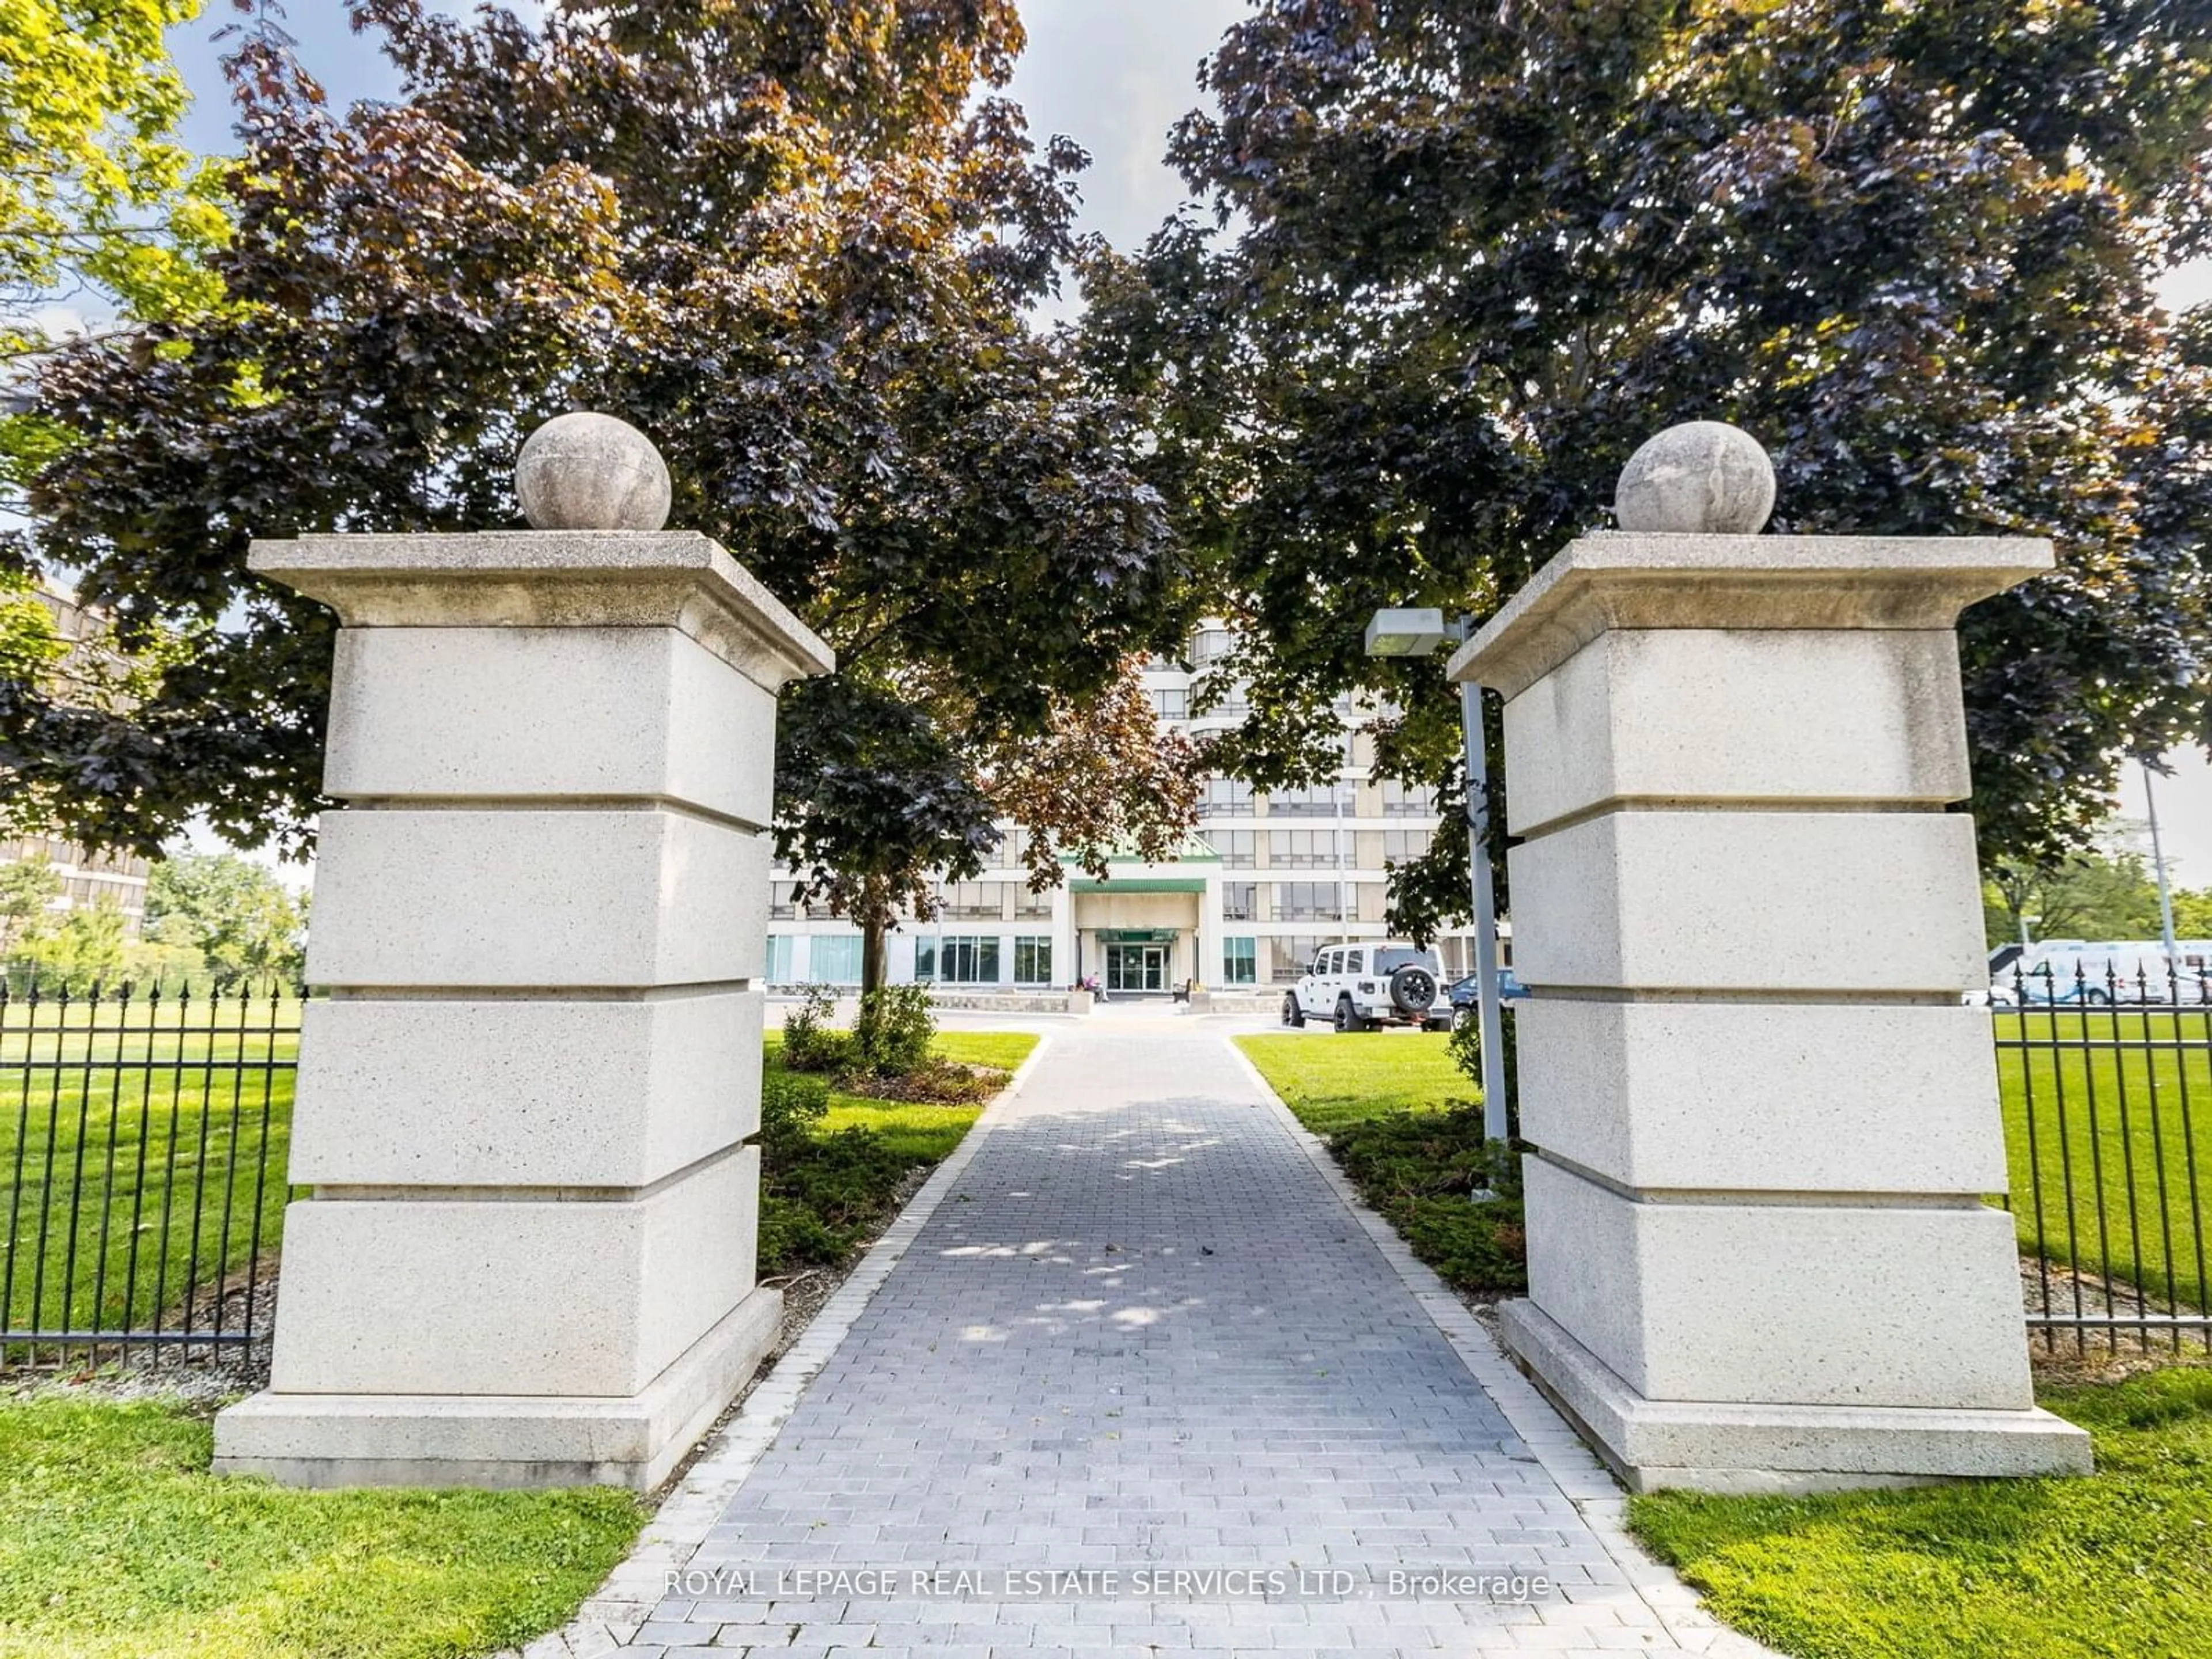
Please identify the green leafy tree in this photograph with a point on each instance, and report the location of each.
(244, 922)
(1465, 258)
(31, 646)
(2192, 913)
(84, 948)
(99, 204)
(796, 244)
(28, 888)
(2092, 895)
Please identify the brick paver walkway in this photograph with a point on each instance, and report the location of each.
(1142, 1333)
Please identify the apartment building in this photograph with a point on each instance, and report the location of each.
(87, 877)
(1265, 882)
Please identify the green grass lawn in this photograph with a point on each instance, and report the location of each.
(116, 1543)
(2147, 1146)
(1004, 1050)
(1401, 1118)
(2127, 1120)
(2118, 1564)
(122, 1184)
(1331, 1081)
(923, 1134)
(823, 1202)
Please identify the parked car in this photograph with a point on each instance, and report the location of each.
(1360, 987)
(1467, 995)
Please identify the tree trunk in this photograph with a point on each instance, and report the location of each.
(873, 943)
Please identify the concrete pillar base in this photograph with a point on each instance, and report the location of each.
(1708, 1446)
(501, 1440)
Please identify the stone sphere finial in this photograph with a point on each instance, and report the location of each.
(588, 472)
(1703, 475)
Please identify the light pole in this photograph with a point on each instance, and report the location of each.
(2165, 892)
(1420, 634)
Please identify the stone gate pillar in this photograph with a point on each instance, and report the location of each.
(1763, 1124)
(525, 1106)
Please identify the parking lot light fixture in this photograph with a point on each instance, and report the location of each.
(1406, 633)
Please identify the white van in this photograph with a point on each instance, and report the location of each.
(2062, 971)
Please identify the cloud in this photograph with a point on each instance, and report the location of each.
(1115, 77)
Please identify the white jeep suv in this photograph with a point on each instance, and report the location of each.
(1360, 987)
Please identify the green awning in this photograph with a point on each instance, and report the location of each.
(1196, 849)
(1138, 935)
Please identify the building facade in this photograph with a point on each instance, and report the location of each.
(1265, 882)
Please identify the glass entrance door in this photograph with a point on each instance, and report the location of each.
(1136, 968)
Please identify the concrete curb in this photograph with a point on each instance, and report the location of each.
(611, 1616)
(1581, 1478)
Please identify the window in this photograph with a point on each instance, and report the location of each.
(1294, 849)
(975, 900)
(783, 900)
(1355, 962)
(1029, 905)
(833, 959)
(1289, 957)
(1389, 962)
(967, 961)
(1226, 798)
(1402, 846)
(1032, 962)
(1240, 901)
(1171, 703)
(1240, 961)
(1234, 846)
(778, 971)
(1230, 699)
(1317, 800)
(1401, 801)
(1209, 645)
(1305, 901)
(924, 960)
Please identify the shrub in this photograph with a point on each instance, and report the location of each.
(809, 1043)
(790, 1107)
(892, 1035)
(821, 1204)
(1421, 1169)
(1466, 1044)
(933, 1083)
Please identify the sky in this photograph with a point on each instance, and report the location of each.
(1114, 75)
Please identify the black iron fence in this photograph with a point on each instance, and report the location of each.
(2105, 1080)
(144, 1136)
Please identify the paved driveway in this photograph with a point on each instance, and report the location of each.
(1143, 1381)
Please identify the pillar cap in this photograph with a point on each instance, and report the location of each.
(586, 471)
(1624, 579)
(1702, 476)
(553, 579)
